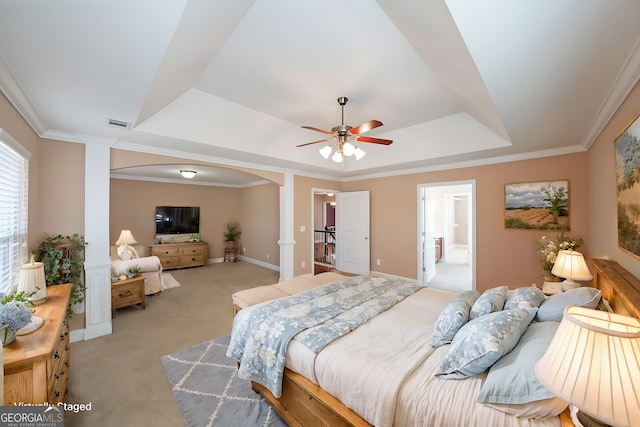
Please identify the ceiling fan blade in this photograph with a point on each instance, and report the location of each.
(365, 127)
(314, 142)
(328, 132)
(374, 140)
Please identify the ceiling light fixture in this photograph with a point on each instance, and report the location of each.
(188, 173)
(344, 149)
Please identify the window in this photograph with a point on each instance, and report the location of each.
(14, 172)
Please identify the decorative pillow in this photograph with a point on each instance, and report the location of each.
(491, 300)
(512, 382)
(530, 297)
(553, 307)
(452, 317)
(482, 341)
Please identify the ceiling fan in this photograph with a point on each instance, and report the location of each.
(346, 135)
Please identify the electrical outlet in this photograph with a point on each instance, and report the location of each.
(302, 228)
(267, 256)
(244, 250)
(303, 264)
(378, 261)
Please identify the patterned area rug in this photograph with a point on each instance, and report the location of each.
(209, 393)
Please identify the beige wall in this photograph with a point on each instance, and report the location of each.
(503, 256)
(260, 223)
(603, 231)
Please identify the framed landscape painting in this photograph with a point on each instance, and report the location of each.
(627, 147)
(537, 205)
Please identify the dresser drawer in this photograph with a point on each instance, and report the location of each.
(166, 252)
(193, 250)
(126, 294)
(170, 262)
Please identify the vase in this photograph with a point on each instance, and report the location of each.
(8, 336)
(230, 244)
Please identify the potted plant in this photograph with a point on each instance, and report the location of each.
(62, 257)
(133, 271)
(232, 233)
(15, 314)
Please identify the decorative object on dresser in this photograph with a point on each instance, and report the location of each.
(127, 292)
(37, 370)
(571, 265)
(180, 255)
(593, 362)
(31, 281)
(15, 314)
(125, 251)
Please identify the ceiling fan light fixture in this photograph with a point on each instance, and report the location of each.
(188, 173)
(359, 153)
(348, 149)
(325, 151)
(337, 157)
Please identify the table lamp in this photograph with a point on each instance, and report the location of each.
(571, 266)
(124, 250)
(593, 362)
(31, 281)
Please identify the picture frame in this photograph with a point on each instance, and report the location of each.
(542, 205)
(627, 145)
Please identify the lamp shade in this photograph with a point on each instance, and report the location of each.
(572, 266)
(126, 238)
(326, 151)
(31, 280)
(593, 362)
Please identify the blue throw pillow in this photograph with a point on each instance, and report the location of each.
(491, 300)
(530, 297)
(553, 307)
(452, 317)
(481, 342)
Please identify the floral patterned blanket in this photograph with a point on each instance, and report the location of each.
(316, 317)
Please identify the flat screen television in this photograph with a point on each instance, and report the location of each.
(177, 220)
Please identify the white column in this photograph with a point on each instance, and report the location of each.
(96, 232)
(286, 241)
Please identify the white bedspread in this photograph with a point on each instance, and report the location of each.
(384, 371)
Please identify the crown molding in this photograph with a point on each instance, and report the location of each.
(11, 89)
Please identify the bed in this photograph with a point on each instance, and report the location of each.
(358, 369)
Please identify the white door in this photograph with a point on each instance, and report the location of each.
(352, 232)
(428, 236)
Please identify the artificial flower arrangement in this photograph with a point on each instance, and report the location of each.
(15, 313)
(548, 249)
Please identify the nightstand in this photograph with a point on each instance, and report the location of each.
(127, 292)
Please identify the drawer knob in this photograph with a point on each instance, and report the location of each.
(56, 355)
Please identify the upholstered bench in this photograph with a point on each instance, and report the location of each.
(249, 297)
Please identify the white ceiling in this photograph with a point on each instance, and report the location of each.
(455, 82)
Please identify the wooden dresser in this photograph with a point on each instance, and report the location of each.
(36, 365)
(180, 255)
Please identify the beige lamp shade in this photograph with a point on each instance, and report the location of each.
(31, 279)
(126, 238)
(571, 266)
(593, 362)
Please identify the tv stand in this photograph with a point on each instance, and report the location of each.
(181, 255)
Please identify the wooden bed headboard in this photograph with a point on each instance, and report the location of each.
(618, 286)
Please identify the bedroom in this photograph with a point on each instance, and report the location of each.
(502, 255)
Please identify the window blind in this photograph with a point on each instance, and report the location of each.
(13, 215)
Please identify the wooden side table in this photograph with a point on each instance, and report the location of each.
(228, 253)
(127, 292)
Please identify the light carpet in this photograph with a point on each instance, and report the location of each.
(208, 391)
(168, 281)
